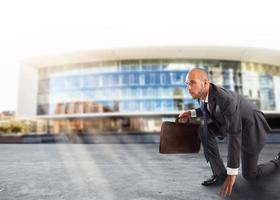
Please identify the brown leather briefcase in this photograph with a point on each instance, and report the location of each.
(179, 138)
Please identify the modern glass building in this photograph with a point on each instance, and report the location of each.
(132, 94)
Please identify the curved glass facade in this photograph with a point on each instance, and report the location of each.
(129, 86)
(124, 86)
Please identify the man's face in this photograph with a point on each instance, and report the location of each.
(194, 85)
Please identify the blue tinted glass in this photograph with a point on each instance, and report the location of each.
(147, 79)
(125, 79)
(115, 79)
(165, 78)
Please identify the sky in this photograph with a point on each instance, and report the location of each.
(33, 28)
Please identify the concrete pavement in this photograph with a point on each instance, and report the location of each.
(117, 172)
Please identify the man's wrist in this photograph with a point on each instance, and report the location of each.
(192, 113)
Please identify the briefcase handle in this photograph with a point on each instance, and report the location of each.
(177, 120)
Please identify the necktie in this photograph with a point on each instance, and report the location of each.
(205, 131)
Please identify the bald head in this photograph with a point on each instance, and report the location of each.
(197, 83)
(198, 73)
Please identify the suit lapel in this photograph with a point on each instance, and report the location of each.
(211, 99)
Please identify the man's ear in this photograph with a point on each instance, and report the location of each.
(204, 83)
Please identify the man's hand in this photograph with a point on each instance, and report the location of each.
(184, 117)
(227, 186)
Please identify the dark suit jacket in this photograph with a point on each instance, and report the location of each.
(240, 119)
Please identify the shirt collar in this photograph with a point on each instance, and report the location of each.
(206, 99)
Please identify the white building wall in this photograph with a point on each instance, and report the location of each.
(250, 83)
(27, 92)
(276, 81)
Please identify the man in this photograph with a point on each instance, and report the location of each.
(225, 113)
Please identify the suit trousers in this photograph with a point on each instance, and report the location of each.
(215, 160)
(250, 168)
